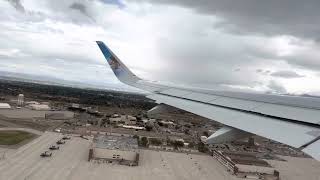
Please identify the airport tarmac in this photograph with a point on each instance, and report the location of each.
(297, 168)
(70, 163)
(25, 113)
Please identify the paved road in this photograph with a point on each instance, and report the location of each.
(6, 123)
(33, 131)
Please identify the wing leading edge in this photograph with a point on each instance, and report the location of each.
(290, 120)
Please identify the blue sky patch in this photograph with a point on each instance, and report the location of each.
(119, 3)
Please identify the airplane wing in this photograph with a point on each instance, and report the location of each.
(291, 120)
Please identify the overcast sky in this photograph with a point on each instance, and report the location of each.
(268, 46)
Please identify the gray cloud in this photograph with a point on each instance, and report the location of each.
(309, 59)
(79, 7)
(294, 17)
(263, 72)
(82, 8)
(151, 40)
(265, 18)
(276, 87)
(286, 74)
(207, 60)
(17, 5)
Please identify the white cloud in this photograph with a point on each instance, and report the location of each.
(160, 42)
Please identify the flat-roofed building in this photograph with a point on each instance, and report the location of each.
(39, 107)
(130, 120)
(31, 102)
(132, 127)
(120, 149)
(59, 115)
(123, 119)
(75, 105)
(115, 120)
(246, 165)
(5, 106)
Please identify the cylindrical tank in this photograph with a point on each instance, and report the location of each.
(20, 100)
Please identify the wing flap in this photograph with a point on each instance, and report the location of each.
(201, 97)
(290, 133)
(175, 92)
(236, 103)
(313, 150)
(289, 112)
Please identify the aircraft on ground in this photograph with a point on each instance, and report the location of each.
(291, 120)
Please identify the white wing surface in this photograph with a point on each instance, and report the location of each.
(290, 120)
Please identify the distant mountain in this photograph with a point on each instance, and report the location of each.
(31, 78)
(21, 77)
(308, 95)
(303, 95)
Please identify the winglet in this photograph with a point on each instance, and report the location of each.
(119, 69)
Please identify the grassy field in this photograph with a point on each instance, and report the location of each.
(14, 137)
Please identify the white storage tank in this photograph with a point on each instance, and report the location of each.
(20, 100)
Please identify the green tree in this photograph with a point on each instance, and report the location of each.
(155, 141)
(205, 133)
(149, 128)
(177, 144)
(202, 147)
(144, 142)
(191, 145)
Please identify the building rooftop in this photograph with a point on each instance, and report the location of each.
(39, 107)
(116, 142)
(4, 106)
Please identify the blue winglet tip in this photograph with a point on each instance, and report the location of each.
(104, 49)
